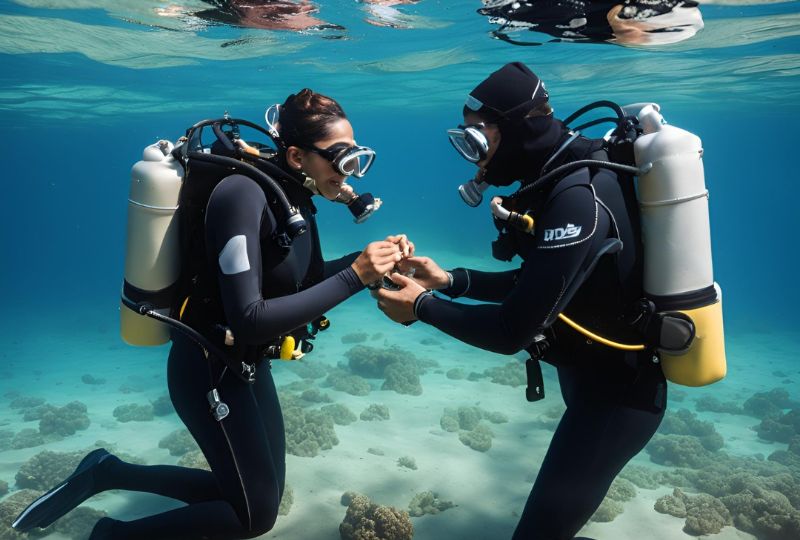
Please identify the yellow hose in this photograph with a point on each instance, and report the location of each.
(599, 339)
(183, 308)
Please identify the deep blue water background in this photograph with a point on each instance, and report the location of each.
(66, 185)
(83, 91)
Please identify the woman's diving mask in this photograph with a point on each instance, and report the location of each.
(348, 160)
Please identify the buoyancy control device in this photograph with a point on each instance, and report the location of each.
(681, 312)
(159, 202)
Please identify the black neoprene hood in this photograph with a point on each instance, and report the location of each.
(512, 90)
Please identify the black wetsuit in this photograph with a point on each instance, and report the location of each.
(265, 292)
(615, 400)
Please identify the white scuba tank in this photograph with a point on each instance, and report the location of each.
(678, 272)
(152, 262)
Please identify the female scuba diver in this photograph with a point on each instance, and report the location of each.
(615, 399)
(257, 290)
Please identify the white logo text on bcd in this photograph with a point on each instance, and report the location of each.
(562, 233)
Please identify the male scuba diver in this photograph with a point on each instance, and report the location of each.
(632, 22)
(579, 240)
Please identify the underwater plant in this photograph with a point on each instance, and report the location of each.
(314, 395)
(479, 439)
(375, 412)
(25, 402)
(768, 404)
(286, 501)
(704, 513)
(179, 442)
(370, 362)
(712, 404)
(195, 460)
(679, 451)
(607, 512)
(11, 507)
(46, 469)
(355, 337)
(403, 378)
(162, 406)
(341, 415)
(781, 427)
(428, 502)
(78, 523)
(685, 422)
(365, 520)
(88, 378)
(344, 382)
(134, 413)
(56, 422)
(308, 432)
(27, 438)
(407, 462)
(456, 374)
(467, 418)
(511, 374)
(621, 490)
(308, 370)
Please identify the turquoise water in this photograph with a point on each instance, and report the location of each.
(85, 85)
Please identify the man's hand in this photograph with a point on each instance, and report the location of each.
(399, 305)
(426, 272)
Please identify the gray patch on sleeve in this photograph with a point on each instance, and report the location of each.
(233, 257)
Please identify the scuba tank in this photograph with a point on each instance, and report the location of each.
(678, 275)
(152, 263)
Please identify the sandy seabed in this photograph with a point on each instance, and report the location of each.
(489, 489)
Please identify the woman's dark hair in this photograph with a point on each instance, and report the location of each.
(305, 118)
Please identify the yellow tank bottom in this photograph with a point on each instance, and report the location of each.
(704, 363)
(139, 330)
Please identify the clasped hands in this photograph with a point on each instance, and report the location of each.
(394, 258)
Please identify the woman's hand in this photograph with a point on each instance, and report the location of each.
(399, 305)
(426, 272)
(377, 259)
(406, 245)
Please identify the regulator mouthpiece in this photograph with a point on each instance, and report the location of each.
(362, 207)
(472, 192)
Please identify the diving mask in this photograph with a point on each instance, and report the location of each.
(470, 141)
(347, 160)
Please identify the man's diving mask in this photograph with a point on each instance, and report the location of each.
(470, 141)
(346, 159)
